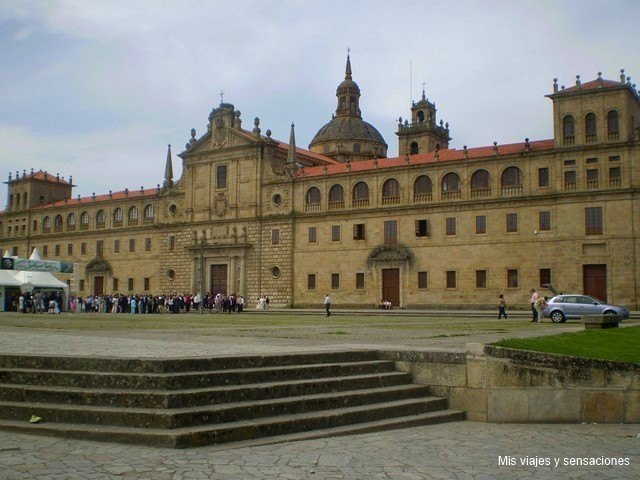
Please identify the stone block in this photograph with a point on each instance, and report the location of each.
(631, 408)
(471, 400)
(548, 405)
(476, 373)
(508, 406)
(439, 374)
(474, 348)
(602, 407)
(598, 322)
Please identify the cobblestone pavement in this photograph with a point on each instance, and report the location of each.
(462, 450)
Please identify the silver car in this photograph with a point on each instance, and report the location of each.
(563, 307)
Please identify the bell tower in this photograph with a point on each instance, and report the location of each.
(422, 134)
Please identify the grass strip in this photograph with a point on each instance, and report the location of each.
(618, 344)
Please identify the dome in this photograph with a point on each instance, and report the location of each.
(347, 129)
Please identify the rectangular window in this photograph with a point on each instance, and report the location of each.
(390, 232)
(512, 278)
(147, 244)
(115, 284)
(545, 276)
(359, 231)
(544, 221)
(569, 162)
(481, 279)
(359, 281)
(592, 177)
(130, 284)
(450, 226)
(311, 281)
(70, 249)
(481, 224)
(451, 279)
(147, 284)
(14, 251)
(335, 233)
(512, 222)
(335, 281)
(313, 235)
(132, 244)
(593, 220)
(615, 177)
(99, 247)
(422, 280)
(172, 242)
(543, 177)
(614, 158)
(45, 250)
(570, 177)
(35, 226)
(592, 160)
(422, 228)
(56, 250)
(221, 177)
(275, 236)
(81, 286)
(116, 246)
(83, 248)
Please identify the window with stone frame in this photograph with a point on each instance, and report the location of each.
(512, 278)
(359, 280)
(335, 233)
(221, 177)
(390, 232)
(593, 220)
(422, 228)
(543, 177)
(422, 280)
(481, 279)
(359, 231)
(335, 281)
(545, 276)
(451, 279)
(512, 222)
(311, 281)
(147, 244)
(544, 221)
(481, 224)
(313, 235)
(450, 226)
(275, 236)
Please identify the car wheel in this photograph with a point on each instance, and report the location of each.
(557, 316)
(609, 312)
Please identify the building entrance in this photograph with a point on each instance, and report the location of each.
(594, 279)
(218, 279)
(98, 285)
(391, 285)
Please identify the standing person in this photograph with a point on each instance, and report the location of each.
(532, 301)
(502, 307)
(539, 306)
(327, 305)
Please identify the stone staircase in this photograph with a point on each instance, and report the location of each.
(189, 402)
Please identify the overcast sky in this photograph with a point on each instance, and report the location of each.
(97, 89)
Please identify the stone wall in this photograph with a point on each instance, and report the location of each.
(496, 385)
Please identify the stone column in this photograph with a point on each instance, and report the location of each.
(232, 274)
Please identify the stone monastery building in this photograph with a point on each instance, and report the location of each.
(433, 227)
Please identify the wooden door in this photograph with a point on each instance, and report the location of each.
(98, 285)
(391, 286)
(595, 281)
(218, 279)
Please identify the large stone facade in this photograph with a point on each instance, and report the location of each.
(435, 227)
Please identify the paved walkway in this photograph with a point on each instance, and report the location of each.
(459, 451)
(463, 450)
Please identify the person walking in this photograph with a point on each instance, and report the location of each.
(532, 301)
(327, 305)
(502, 307)
(541, 302)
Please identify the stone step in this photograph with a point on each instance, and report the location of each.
(283, 428)
(169, 365)
(221, 413)
(130, 398)
(190, 379)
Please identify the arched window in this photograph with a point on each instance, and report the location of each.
(420, 116)
(590, 127)
(17, 201)
(71, 220)
(149, 212)
(84, 219)
(414, 148)
(336, 194)
(479, 179)
(46, 223)
(24, 199)
(11, 201)
(422, 185)
(133, 214)
(360, 194)
(101, 218)
(511, 177)
(313, 196)
(390, 191)
(57, 222)
(613, 125)
(118, 215)
(451, 182)
(568, 130)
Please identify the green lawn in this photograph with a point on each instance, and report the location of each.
(620, 344)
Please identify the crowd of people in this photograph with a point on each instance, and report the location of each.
(37, 302)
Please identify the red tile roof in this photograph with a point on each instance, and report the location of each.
(103, 198)
(447, 155)
(592, 85)
(40, 175)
